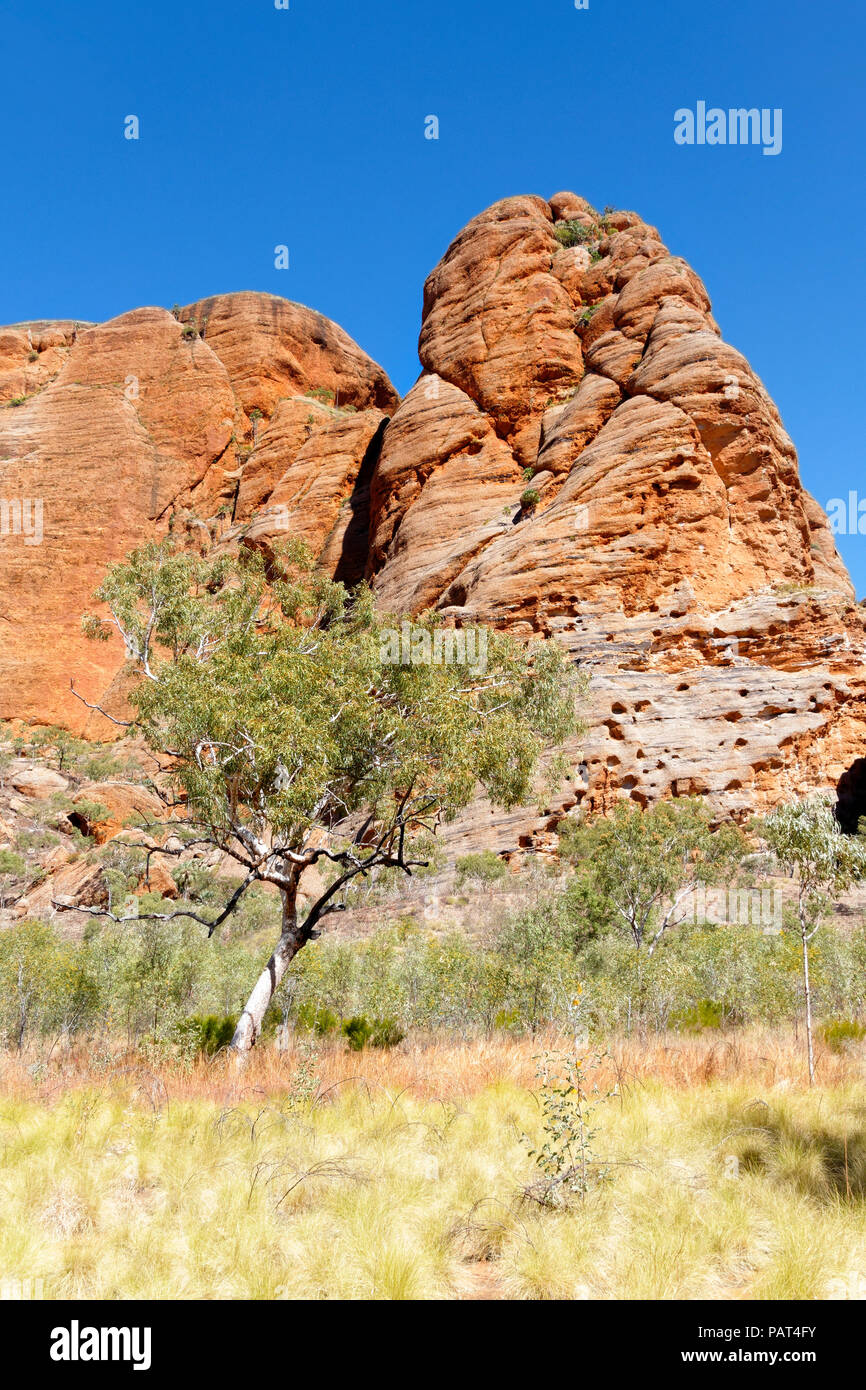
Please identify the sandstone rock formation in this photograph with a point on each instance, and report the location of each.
(115, 431)
(583, 458)
(672, 550)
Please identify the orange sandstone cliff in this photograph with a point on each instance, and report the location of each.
(583, 457)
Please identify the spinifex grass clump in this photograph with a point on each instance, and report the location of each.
(363, 1182)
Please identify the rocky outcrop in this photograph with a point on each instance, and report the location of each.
(583, 458)
(670, 545)
(111, 433)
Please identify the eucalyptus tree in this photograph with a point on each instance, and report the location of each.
(644, 866)
(807, 839)
(293, 732)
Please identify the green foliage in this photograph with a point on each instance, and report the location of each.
(143, 978)
(529, 499)
(42, 986)
(197, 883)
(485, 867)
(205, 1035)
(574, 233)
(806, 838)
(27, 841)
(319, 1020)
(12, 864)
(361, 1032)
(568, 1109)
(840, 1033)
(288, 713)
(706, 1013)
(642, 865)
(78, 758)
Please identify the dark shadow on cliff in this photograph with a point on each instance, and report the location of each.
(851, 794)
(354, 551)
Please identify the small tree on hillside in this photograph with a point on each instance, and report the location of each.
(643, 866)
(292, 736)
(807, 839)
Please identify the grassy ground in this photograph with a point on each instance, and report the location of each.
(403, 1175)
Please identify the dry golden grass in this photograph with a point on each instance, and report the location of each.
(436, 1067)
(403, 1176)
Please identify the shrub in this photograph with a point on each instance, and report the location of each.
(361, 1031)
(840, 1033)
(529, 499)
(574, 233)
(387, 1033)
(358, 1032)
(487, 867)
(12, 865)
(35, 840)
(42, 988)
(706, 1013)
(322, 1021)
(206, 1036)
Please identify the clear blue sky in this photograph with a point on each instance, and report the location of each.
(306, 127)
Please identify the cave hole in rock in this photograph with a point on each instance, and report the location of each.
(851, 796)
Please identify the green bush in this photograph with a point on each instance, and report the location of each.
(361, 1032)
(12, 864)
(840, 1033)
(206, 1035)
(574, 233)
(706, 1013)
(318, 1020)
(486, 866)
(42, 986)
(530, 499)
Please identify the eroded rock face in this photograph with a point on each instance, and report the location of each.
(111, 433)
(583, 458)
(672, 549)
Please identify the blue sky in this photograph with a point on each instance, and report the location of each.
(306, 127)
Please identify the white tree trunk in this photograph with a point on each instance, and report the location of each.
(250, 1022)
(807, 991)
